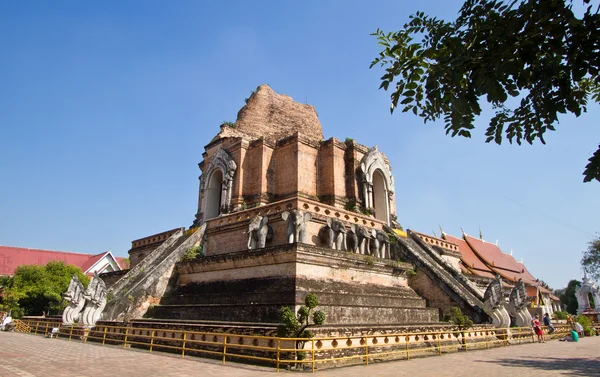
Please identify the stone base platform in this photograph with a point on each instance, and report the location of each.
(252, 286)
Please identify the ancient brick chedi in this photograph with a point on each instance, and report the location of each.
(285, 213)
(275, 151)
(281, 213)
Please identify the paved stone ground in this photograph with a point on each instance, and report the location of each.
(27, 355)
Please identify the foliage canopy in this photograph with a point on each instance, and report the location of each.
(591, 259)
(568, 298)
(35, 289)
(531, 60)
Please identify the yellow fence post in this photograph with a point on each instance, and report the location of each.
(406, 338)
(278, 347)
(532, 336)
(313, 354)
(104, 336)
(36, 326)
(464, 339)
(486, 340)
(46, 327)
(151, 340)
(71, 332)
(125, 339)
(224, 348)
(439, 344)
(367, 351)
(183, 346)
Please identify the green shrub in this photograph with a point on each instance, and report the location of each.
(456, 316)
(560, 315)
(586, 322)
(192, 253)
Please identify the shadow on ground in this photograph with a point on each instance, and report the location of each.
(572, 366)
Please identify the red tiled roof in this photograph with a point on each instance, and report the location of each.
(91, 261)
(13, 257)
(123, 262)
(499, 262)
(476, 266)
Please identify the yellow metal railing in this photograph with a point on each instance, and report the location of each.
(21, 326)
(282, 351)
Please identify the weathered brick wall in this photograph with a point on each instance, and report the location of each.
(227, 233)
(253, 285)
(111, 278)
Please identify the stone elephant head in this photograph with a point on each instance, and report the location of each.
(381, 244)
(296, 225)
(352, 239)
(362, 239)
(334, 234)
(258, 231)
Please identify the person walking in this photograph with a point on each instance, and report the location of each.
(537, 328)
(548, 324)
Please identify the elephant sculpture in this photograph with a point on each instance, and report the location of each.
(334, 234)
(259, 232)
(75, 301)
(296, 225)
(363, 238)
(352, 240)
(381, 244)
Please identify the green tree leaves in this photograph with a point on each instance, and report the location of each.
(591, 258)
(36, 289)
(294, 325)
(531, 60)
(568, 298)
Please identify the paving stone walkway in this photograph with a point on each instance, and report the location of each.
(28, 355)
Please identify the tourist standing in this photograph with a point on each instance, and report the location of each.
(537, 328)
(548, 324)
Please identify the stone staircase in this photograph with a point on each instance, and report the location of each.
(146, 283)
(451, 282)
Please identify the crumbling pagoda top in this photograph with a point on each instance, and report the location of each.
(273, 116)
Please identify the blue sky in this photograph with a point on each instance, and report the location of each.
(105, 108)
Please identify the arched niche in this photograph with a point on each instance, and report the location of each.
(588, 295)
(214, 190)
(378, 184)
(216, 185)
(380, 197)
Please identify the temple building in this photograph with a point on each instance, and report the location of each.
(13, 257)
(481, 261)
(282, 213)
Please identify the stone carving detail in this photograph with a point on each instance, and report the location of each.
(363, 238)
(224, 162)
(95, 296)
(381, 244)
(352, 240)
(493, 301)
(259, 232)
(296, 225)
(75, 301)
(334, 234)
(583, 293)
(518, 303)
(371, 162)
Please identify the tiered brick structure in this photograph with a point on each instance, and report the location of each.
(274, 164)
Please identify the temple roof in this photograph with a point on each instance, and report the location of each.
(476, 266)
(499, 262)
(273, 116)
(13, 257)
